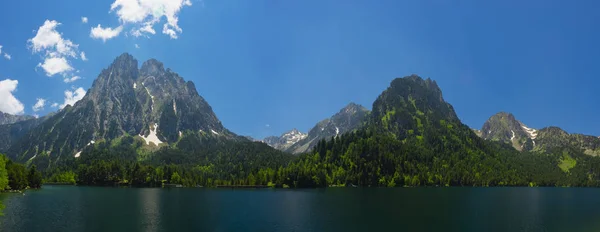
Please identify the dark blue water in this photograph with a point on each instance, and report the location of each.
(69, 208)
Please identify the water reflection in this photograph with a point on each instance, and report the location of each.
(150, 206)
(349, 209)
(2, 208)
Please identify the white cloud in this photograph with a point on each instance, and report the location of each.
(84, 19)
(147, 28)
(73, 96)
(9, 103)
(54, 105)
(82, 55)
(137, 46)
(54, 48)
(69, 80)
(39, 105)
(146, 13)
(105, 33)
(6, 55)
(49, 40)
(54, 65)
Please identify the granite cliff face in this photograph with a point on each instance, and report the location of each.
(151, 102)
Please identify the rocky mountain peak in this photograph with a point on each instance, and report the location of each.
(352, 108)
(506, 128)
(151, 102)
(407, 104)
(152, 67)
(286, 139)
(10, 118)
(349, 118)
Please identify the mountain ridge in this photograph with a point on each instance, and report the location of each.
(547, 139)
(150, 102)
(348, 118)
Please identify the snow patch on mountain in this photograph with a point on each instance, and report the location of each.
(214, 132)
(293, 136)
(286, 140)
(151, 97)
(135, 85)
(532, 133)
(513, 135)
(79, 153)
(174, 106)
(152, 138)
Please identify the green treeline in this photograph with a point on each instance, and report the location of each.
(196, 161)
(361, 158)
(15, 176)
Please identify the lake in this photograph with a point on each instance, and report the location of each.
(70, 208)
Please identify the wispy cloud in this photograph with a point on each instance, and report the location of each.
(104, 34)
(39, 105)
(73, 78)
(6, 55)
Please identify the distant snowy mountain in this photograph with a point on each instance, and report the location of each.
(347, 119)
(286, 140)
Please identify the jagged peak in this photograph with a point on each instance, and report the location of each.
(152, 66)
(292, 131)
(124, 56)
(503, 114)
(125, 60)
(352, 108)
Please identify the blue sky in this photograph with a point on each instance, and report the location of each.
(269, 66)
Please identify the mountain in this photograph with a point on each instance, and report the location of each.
(286, 140)
(504, 127)
(347, 119)
(9, 118)
(554, 139)
(147, 126)
(412, 137)
(10, 133)
(411, 106)
(151, 104)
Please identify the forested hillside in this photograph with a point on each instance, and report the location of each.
(411, 138)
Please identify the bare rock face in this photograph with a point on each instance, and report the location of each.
(10, 119)
(286, 140)
(150, 102)
(347, 119)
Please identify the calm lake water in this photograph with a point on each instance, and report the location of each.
(69, 208)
